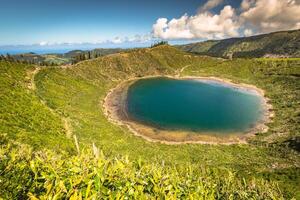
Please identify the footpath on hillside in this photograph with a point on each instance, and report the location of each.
(32, 86)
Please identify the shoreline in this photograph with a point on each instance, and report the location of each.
(114, 108)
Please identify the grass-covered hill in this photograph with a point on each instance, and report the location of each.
(278, 44)
(55, 59)
(79, 55)
(44, 108)
(45, 59)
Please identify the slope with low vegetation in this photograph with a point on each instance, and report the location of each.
(22, 115)
(56, 59)
(267, 167)
(279, 44)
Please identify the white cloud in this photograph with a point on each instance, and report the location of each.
(202, 25)
(246, 4)
(254, 16)
(134, 39)
(139, 38)
(176, 28)
(271, 15)
(117, 40)
(43, 43)
(248, 32)
(210, 4)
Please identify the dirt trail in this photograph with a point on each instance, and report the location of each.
(32, 86)
(182, 69)
(67, 126)
(179, 72)
(31, 76)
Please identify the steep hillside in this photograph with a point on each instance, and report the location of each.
(279, 44)
(23, 117)
(75, 94)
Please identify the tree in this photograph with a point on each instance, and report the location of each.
(158, 43)
(9, 57)
(2, 57)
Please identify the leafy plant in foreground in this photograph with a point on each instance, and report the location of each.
(47, 175)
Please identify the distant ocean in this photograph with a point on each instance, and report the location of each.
(10, 49)
(37, 51)
(57, 49)
(43, 49)
(18, 49)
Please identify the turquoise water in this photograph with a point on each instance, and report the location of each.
(193, 105)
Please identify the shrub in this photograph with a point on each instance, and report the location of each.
(47, 175)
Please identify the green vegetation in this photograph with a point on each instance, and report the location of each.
(32, 58)
(70, 57)
(279, 44)
(55, 60)
(23, 116)
(78, 55)
(44, 175)
(76, 94)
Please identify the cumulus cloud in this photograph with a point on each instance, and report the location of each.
(43, 43)
(139, 38)
(117, 40)
(246, 4)
(271, 15)
(248, 32)
(202, 25)
(134, 39)
(176, 28)
(210, 4)
(253, 16)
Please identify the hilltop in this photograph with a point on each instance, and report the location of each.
(55, 59)
(40, 157)
(278, 44)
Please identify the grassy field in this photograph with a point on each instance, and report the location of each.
(76, 94)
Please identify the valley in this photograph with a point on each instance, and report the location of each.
(76, 93)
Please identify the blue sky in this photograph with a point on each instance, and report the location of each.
(35, 21)
(132, 22)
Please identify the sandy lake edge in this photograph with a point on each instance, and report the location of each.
(114, 108)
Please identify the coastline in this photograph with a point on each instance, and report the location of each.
(114, 107)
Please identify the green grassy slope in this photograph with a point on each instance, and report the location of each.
(22, 115)
(286, 43)
(76, 93)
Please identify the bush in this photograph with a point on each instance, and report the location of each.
(159, 43)
(47, 175)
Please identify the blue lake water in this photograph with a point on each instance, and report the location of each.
(193, 105)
